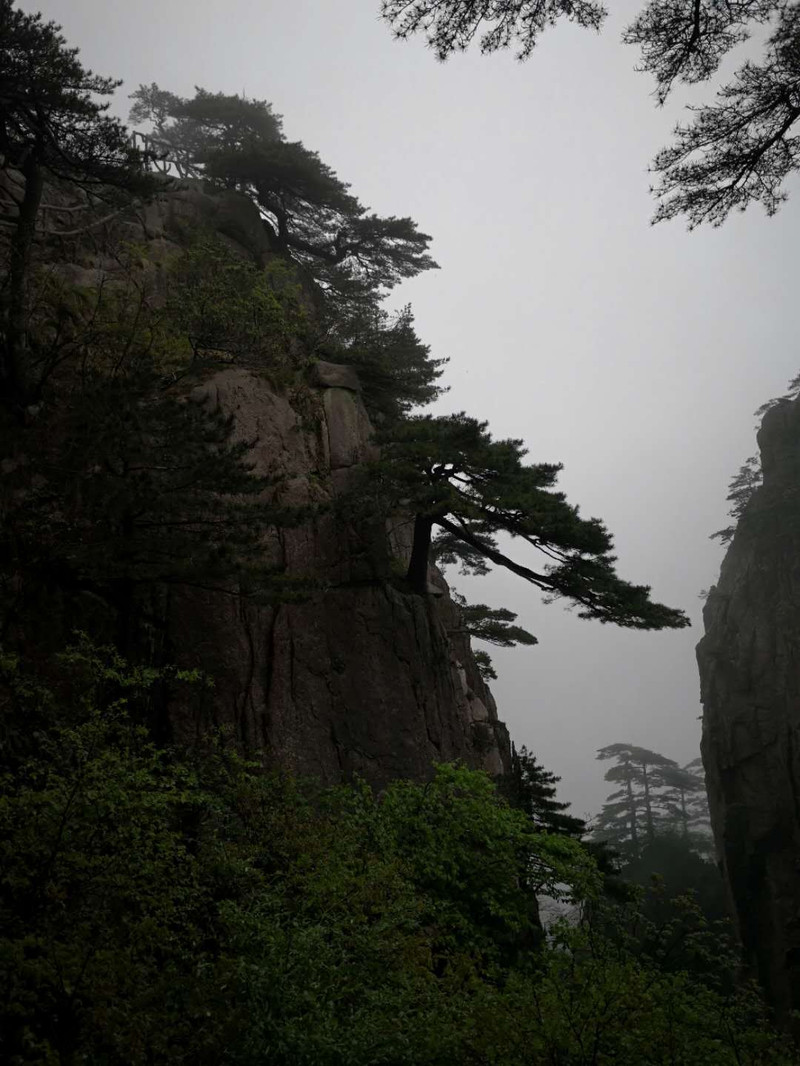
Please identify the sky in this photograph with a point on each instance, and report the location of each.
(633, 354)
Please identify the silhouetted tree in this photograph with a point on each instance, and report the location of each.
(494, 625)
(630, 815)
(52, 130)
(740, 492)
(532, 788)
(685, 804)
(307, 210)
(395, 369)
(734, 152)
(452, 25)
(453, 476)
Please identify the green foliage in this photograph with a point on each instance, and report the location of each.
(602, 999)
(532, 788)
(51, 127)
(455, 476)
(394, 367)
(229, 310)
(673, 862)
(307, 210)
(125, 480)
(159, 907)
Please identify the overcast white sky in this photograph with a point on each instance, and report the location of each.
(634, 355)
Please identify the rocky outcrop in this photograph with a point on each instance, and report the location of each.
(357, 675)
(345, 671)
(749, 664)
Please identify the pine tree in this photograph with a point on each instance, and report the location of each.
(52, 131)
(307, 210)
(494, 625)
(395, 369)
(685, 804)
(740, 492)
(631, 816)
(532, 788)
(735, 152)
(455, 477)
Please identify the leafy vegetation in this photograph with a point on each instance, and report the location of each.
(165, 908)
(162, 905)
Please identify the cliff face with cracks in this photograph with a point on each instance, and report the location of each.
(749, 664)
(357, 676)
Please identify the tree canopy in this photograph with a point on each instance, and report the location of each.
(309, 212)
(451, 473)
(655, 797)
(51, 128)
(735, 151)
(162, 906)
(533, 788)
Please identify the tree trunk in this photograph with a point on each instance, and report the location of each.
(632, 812)
(420, 554)
(684, 816)
(17, 373)
(648, 809)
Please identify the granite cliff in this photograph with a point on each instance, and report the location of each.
(358, 676)
(749, 663)
(353, 673)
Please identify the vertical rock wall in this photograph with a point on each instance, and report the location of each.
(749, 663)
(359, 676)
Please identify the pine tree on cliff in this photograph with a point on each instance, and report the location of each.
(454, 477)
(128, 486)
(51, 130)
(737, 151)
(309, 213)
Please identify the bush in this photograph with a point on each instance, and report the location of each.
(166, 907)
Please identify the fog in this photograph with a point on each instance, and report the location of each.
(633, 354)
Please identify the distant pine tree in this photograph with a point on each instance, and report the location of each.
(630, 816)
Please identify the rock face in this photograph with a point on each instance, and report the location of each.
(359, 676)
(750, 675)
(356, 675)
